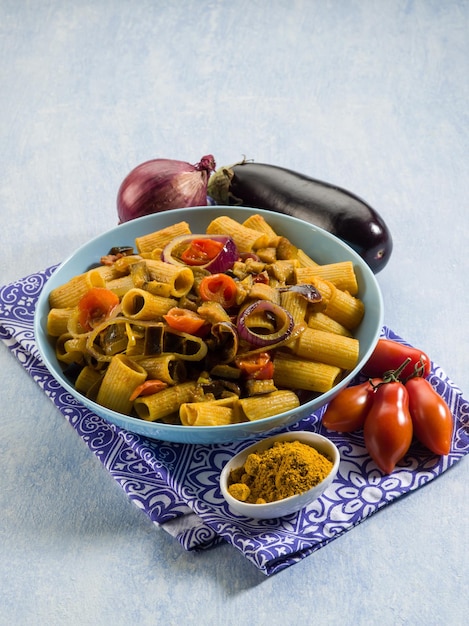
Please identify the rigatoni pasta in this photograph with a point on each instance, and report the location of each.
(259, 407)
(246, 238)
(299, 373)
(160, 238)
(160, 347)
(327, 347)
(121, 378)
(69, 295)
(139, 304)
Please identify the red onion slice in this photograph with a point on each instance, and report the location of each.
(284, 323)
(221, 263)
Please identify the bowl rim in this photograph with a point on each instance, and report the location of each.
(313, 439)
(177, 432)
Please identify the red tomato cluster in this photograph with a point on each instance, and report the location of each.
(396, 403)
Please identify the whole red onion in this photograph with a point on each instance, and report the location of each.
(163, 184)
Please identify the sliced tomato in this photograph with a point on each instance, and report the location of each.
(201, 251)
(218, 288)
(95, 306)
(148, 388)
(258, 366)
(184, 320)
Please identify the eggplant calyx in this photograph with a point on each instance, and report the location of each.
(220, 182)
(219, 185)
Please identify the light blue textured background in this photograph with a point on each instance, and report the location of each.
(371, 95)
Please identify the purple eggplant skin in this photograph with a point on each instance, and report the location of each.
(264, 186)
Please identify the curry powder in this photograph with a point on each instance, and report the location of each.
(286, 469)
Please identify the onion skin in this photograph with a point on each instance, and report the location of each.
(163, 184)
(332, 208)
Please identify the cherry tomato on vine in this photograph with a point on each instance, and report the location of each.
(431, 416)
(347, 411)
(388, 426)
(389, 355)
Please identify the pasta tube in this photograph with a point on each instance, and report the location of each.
(57, 321)
(206, 414)
(295, 304)
(305, 260)
(257, 222)
(295, 373)
(70, 349)
(258, 407)
(160, 238)
(138, 304)
(345, 309)
(246, 239)
(87, 379)
(341, 274)
(162, 404)
(69, 294)
(179, 278)
(121, 378)
(108, 272)
(325, 347)
(321, 321)
(165, 367)
(120, 285)
(141, 278)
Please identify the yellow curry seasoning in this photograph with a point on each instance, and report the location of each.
(286, 469)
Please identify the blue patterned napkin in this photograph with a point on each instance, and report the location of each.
(177, 485)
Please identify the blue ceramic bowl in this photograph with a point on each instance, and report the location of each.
(321, 245)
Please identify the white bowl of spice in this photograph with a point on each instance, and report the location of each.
(279, 475)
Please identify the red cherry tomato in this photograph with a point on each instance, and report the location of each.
(388, 426)
(348, 410)
(201, 251)
(389, 355)
(218, 288)
(95, 306)
(148, 388)
(184, 320)
(258, 366)
(431, 417)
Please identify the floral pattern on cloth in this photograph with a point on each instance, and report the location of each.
(177, 485)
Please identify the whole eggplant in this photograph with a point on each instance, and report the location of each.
(332, 208)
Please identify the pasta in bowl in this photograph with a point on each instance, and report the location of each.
(208, 324)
